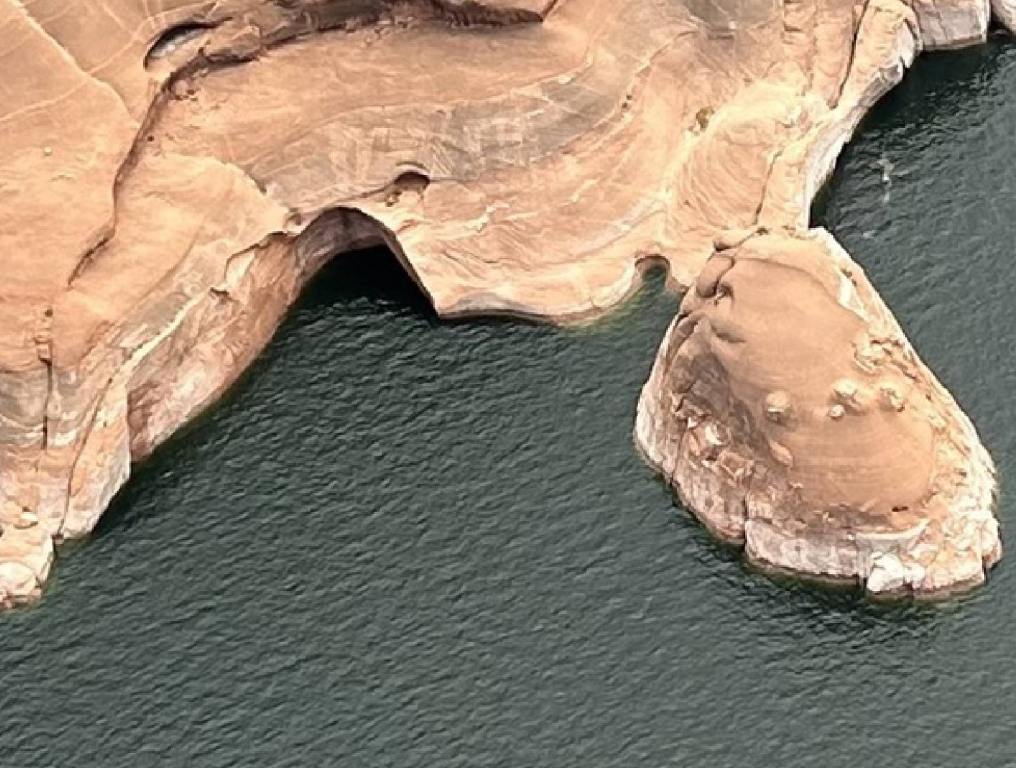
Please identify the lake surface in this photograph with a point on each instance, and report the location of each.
(401, 542)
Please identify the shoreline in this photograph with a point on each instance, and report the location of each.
(183, 343)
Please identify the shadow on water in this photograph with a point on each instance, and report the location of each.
(370, 279)
(363, 282)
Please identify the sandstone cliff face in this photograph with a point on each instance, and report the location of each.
(173, 173)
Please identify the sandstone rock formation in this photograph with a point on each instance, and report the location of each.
(1005, 12)
(174, 171)
(792, 415)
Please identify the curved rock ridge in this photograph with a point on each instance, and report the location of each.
(791, 414)
(174, 171)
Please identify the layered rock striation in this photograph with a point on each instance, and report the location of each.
(174, 172)
(793, 417)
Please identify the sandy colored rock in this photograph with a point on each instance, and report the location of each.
(791, 414)
(174, 172)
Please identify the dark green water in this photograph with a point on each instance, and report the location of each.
(405, 543)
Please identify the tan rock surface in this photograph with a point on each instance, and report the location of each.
(791, 414)
(173, 172)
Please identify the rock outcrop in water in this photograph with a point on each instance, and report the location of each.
(792, 415)
(174, 172)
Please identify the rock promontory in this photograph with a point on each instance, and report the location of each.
(792, 416)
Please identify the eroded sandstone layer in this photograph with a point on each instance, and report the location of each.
(174, 171)
(791, 414)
